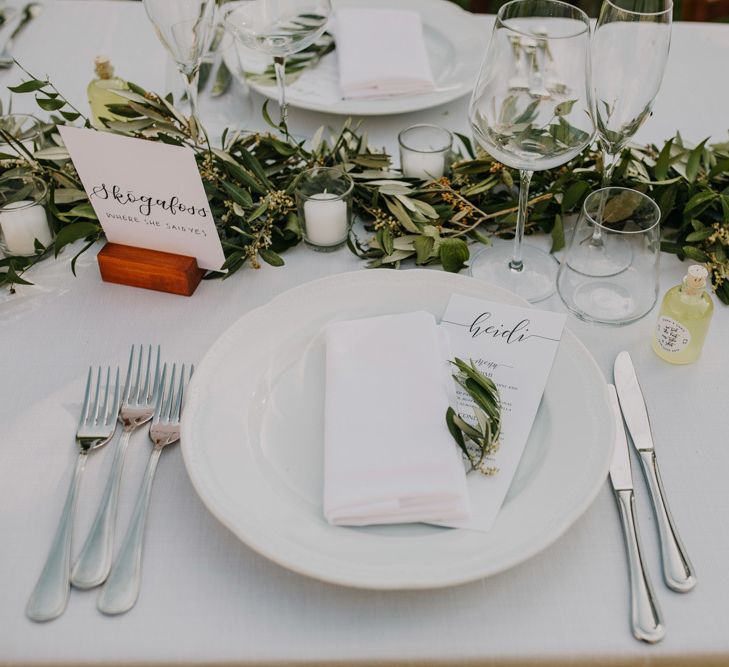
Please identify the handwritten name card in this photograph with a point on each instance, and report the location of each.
(146, 194)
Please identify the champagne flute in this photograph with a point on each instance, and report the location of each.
(629, 53)
(279, 28)
(185, 28)
(536, 125)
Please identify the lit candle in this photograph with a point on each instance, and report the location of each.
(325, 218)
(21, 226)
(422, 165)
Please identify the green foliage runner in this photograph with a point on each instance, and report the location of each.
(250, 182)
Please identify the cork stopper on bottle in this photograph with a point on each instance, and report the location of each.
(695, 279)
(103, 67)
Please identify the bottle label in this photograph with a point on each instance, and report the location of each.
(672, 336)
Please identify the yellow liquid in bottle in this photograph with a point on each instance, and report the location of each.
(100, 93)
(682, 324)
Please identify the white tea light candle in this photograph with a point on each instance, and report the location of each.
(22, 222)
(422, 165)
(326, 219)
(424, 151)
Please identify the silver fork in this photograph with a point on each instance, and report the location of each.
(94, 562)
(121, 590)
(95, 428)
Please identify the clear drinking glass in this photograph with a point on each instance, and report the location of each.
(629, 224)
(24, 227)
(279, 28)
(23, 129)
(629, 53)
(530, 110)
(185, 28)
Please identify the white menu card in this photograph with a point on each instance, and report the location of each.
(146, 194)
(515, 347)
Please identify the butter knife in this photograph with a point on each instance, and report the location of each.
(678, 572)
(645, 616)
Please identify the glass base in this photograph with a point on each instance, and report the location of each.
(323, 248)
(602, 259)
(535, 282)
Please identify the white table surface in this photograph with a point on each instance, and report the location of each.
(207, 598)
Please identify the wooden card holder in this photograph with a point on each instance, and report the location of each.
(150, 269)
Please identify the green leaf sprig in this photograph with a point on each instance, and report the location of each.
(482, 439)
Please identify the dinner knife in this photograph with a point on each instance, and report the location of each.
(678, 572)
(645, 615)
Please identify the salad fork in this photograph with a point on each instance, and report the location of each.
(96, 427)
(94, 562)
(121, 590)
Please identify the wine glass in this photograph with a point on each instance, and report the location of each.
(279, 28)
(629, 54)
(185, 28)
(531, 117)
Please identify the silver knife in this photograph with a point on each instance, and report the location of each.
(678, 572)
(645, 615)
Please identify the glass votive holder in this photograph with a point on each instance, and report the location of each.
(324, 201)
(609, 273)
(424, 151)
(24, 227)
(25, 130)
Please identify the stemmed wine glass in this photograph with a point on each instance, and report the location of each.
(629, 53)
(185, 28)
(278, 28)
(533, 122)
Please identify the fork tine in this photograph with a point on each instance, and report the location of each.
(113, 412)
(128, 380)
(85, 408)
(167, 409)
(175, 412)
(160, 394)
(107, 391)
(137, 379)
(156, 384)
(144, 392)
(94, 409)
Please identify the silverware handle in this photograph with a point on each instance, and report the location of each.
(678, 572)
(121, 590)
(50, 595)
(645, 615)
(94, 562)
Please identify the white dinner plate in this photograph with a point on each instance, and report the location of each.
(455, 45)
(252, 437)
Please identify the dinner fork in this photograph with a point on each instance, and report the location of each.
(94, 562)
(95, 428)
(121, 590)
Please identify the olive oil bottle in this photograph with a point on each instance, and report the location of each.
(684, 319)
(101, 92)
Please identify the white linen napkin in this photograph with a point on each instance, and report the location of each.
(381, 53)
(388, 455)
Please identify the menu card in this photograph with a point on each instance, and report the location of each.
(515, 347)
(146, 194)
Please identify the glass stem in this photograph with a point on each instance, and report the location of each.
(191, 82)
(609, 162)
(279, 65)
(525, 178)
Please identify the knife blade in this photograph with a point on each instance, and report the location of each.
(678, 573)
(646, 619)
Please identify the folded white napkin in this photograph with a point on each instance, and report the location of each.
(388, 455)
(381, 53)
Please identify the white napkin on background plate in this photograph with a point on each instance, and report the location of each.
(388, 455)
(381, 53)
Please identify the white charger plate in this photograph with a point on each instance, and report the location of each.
(252, 441)
(455, 45)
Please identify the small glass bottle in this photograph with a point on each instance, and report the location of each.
(684, 319)
(101, 92)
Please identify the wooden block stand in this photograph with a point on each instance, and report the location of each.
(150, 269)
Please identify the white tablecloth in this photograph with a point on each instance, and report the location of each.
(207, 598)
